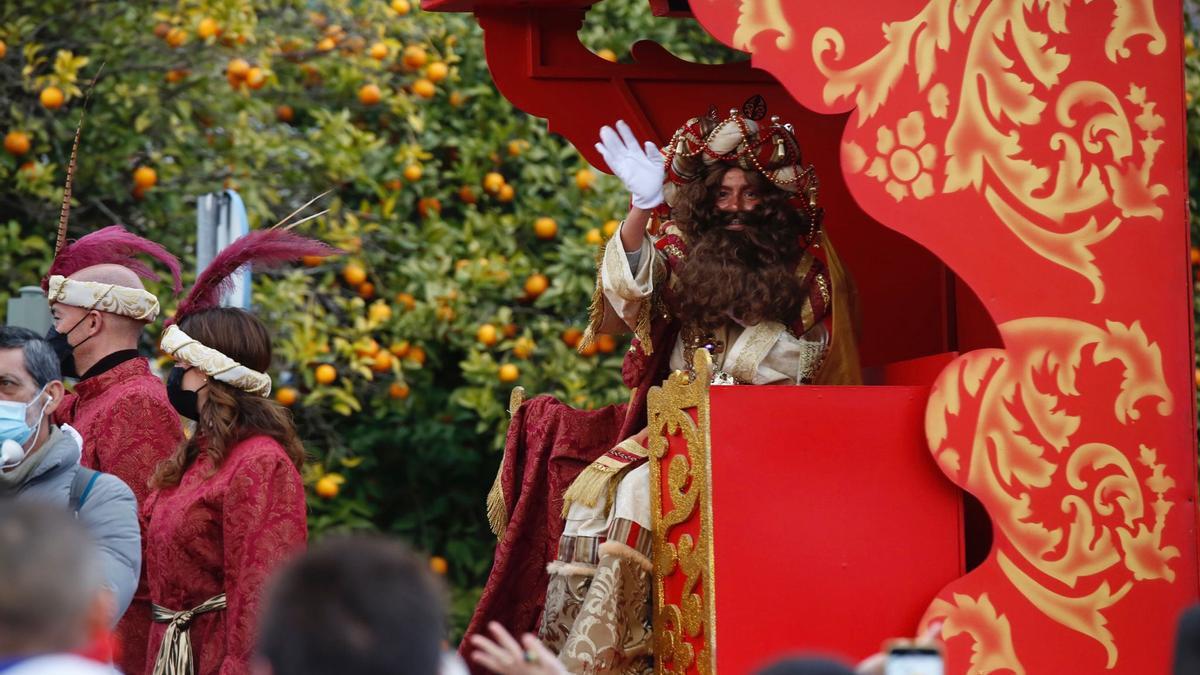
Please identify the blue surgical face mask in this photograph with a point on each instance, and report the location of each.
(14, 419)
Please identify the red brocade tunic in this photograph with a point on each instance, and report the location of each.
(128, 426)
(223, 532)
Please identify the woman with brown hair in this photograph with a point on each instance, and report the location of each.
(228, 507)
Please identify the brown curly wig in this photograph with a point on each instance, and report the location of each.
(747, 276)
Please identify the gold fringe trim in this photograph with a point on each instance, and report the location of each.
(841, 364)
(497, 509)
(596, 308)
(626, 552)
(601, 478)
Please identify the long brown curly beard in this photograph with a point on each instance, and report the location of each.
(746, 276)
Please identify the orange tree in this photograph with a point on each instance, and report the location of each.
(469, 232)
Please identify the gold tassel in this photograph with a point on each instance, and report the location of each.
(497, 508)
(602, 477)
(591, 483)
(596, 308)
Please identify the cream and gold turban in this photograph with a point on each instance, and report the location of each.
(135, 303)
(187, 351)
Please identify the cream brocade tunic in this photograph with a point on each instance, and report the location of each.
(597, 614)
(765, 353)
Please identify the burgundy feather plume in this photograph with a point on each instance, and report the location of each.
(114, 245)
(262, 249)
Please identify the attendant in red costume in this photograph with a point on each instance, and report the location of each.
(228, 506)
(119, 406)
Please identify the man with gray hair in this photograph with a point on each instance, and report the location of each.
(39, 461)
(53, 599)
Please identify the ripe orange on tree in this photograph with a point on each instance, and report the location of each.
(457, 99)
(584, 178)
(607, 55)
(589, 350)
(3, 49)
(415, 57)
(398, 390)
(327, 487)
(176, 37)
(439, 565)
(366, 347)
(378, 51)
(176, 75)
(287, 396)
(382, 361)
(428, 206)
(326, 374)
(545, 228)
(406, 299)
(493, 181)
(445, 313)
(1195, 256)
(52, 98)
(424, 88)
(610, 227)
(437, 71)
(366, 290)
(311, 260)
(145, 177)
(572, 336)
(16, 143)
(369, 94)
(326, 44)
(536, 284)
(487, 334)
(207, 28)
(401, 7)
(510, 329)
(593, 236)
(506, 193)
(412, 172)
(237, 68)
(523, 348)
(284, 113)
(416, 354)
(400, 349)
(379, 311)
(508, 373)
(606, 343)
(354, 274)
(256, 78)
(466, 194)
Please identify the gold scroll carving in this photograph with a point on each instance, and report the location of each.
(678, 623)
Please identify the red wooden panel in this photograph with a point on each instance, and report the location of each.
(832, 526)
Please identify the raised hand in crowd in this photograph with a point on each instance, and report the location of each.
(506, 656)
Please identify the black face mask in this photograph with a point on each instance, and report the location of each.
(64, 350)
(185, 402)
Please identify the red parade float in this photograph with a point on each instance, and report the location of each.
(1006, 181)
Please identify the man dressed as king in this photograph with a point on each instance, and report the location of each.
(723, 250)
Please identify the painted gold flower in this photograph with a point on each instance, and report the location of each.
(905, 167)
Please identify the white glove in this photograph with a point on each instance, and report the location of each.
(639, 167)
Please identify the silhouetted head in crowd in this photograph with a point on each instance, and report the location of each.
(359, 605)
(806, 666)
(52, 593)
(1187, 642)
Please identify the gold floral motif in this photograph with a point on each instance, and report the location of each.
(1103, 144)
(677, 624)
(990, 631)
(1001, 425)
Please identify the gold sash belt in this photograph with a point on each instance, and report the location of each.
(175, 652)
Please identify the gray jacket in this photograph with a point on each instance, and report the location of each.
(109, 512)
